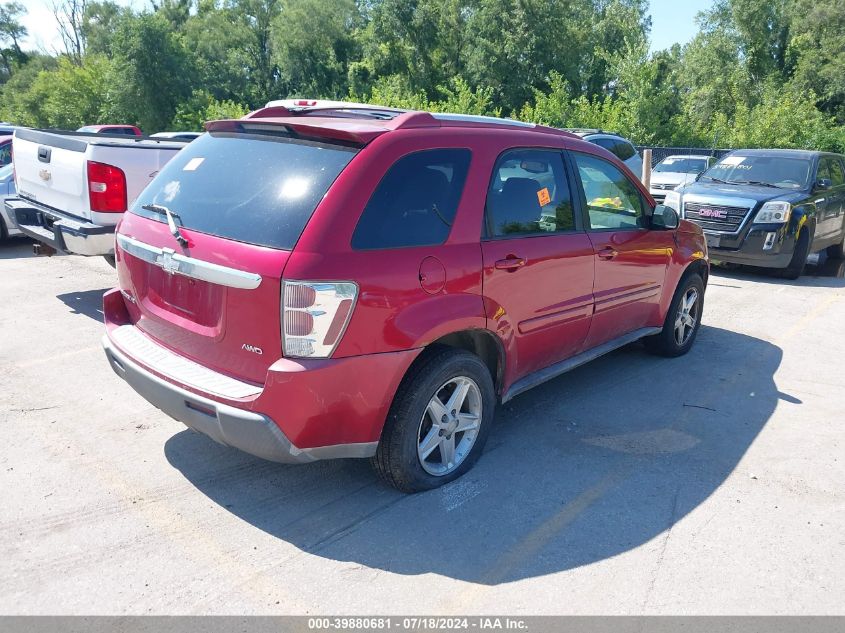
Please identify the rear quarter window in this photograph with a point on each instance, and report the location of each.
(623, 150)
(258, 189)
(415, 202)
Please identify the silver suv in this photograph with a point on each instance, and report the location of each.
(621, 147)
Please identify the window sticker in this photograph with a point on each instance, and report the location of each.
(544, 197)
(192, 164)
(732, 160)
(669, 161)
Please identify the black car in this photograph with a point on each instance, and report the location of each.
(769, 208)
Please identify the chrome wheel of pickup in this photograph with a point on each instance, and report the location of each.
(449, 426)
(687, 316)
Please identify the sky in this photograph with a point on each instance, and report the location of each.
(671, 21)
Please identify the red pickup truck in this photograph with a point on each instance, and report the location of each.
(124, 130)
(342, 280)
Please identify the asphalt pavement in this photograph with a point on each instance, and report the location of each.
(712, 483)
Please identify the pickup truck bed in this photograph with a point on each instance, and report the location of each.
(56, 197)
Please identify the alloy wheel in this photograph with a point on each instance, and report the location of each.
(687, 316)
(450, 425)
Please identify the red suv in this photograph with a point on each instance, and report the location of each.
(315, 282)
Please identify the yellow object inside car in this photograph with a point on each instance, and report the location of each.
(613, 203)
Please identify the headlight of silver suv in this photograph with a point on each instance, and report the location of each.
(774, 212)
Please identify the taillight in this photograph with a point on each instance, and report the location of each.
(315, 315)
(106, 187)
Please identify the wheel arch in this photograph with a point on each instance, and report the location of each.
(698, 266)
(481, 342)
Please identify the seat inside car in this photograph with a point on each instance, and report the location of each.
(515, 206)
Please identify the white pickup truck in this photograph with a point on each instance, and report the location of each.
(74, 187)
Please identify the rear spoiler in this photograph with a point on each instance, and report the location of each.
(346, 130)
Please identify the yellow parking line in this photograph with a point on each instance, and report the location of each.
(808, 318)
(538, 538)
(43, 360)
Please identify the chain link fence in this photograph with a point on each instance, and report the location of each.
(659, 153)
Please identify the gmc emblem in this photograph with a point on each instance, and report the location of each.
(712, 213)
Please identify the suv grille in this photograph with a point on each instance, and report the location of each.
(716, 217)
(666, 186)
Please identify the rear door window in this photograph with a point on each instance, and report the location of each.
(259, 189)
(416, 201)
(529, 194)
(831, 168)
(837, 175)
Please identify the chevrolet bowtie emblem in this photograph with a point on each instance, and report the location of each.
(166, 261)
(44, 174)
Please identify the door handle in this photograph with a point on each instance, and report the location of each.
(511, 262)
(607, 253)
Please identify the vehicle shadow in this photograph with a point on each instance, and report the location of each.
(86, 302)
(16, 248)
(590, 465)
(827, 272)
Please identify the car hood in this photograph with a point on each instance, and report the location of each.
(671, 178)
(753, 192)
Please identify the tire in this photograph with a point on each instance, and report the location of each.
(110, 259)
(799, 257)
(669, 342)
(837, 251)
(411, 421)
(4, 234)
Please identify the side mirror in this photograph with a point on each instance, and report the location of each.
(824, 183)
(665, 218)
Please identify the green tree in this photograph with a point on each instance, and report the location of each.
(217, 41)
(11, 32)
(817, 49)
(261, 70)
(313, 44)
(202, 107)
(72, 94)
(151, 74)
(19, 101)
(420, 40)
(99, 23)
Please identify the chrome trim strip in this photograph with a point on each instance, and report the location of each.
(177, 264)
(178, 368)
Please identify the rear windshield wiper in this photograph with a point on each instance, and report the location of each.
(714, 179)
(171, 223)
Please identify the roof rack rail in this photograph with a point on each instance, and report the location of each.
(478, 118)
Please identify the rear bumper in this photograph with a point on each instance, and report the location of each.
(60, 231)
(307, 409)
(9, 222)
(251, 432)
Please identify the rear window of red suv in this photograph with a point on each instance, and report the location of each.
(259, 189)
